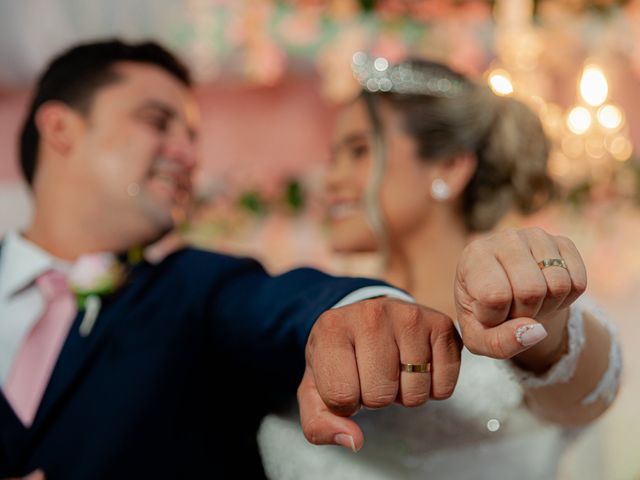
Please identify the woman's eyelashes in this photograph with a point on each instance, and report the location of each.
(358, 151)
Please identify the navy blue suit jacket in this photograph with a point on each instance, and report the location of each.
(172, 382)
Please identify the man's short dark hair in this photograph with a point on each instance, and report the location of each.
(77, 74)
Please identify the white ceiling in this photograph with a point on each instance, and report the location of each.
(31, 31)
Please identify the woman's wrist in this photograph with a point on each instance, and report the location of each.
(563, 369)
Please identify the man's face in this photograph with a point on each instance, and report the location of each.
(136, 152)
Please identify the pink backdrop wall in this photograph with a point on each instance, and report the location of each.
(12, 106)
(252, 134)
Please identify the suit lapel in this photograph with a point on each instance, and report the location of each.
(13, 434)
(74, 358)
(79, 351)
(14, 437)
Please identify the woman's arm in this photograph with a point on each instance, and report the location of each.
(573, 375)
(515, 296)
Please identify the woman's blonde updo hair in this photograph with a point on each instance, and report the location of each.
(505, 136)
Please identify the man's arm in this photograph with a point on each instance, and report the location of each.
(36, 475)
(261, 323)
(353, 352)
(354, 355)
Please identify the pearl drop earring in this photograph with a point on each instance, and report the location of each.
(440, 190)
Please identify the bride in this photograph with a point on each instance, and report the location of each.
(424, 160)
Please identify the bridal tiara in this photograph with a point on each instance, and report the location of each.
(378, 75)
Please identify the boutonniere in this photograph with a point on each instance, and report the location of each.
(93, 277)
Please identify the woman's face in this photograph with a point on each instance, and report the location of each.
(404, 194)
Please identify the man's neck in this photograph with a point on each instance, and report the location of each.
(64, 239)
(55, 244)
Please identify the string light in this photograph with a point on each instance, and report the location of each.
(610, 116)
(579, 120)
(621, 148)
(591, 135)
(594, 87)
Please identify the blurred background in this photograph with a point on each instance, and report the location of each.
(270, 75)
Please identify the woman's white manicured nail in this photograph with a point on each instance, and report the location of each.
(529, 335)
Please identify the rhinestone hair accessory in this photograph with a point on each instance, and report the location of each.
(378, 75)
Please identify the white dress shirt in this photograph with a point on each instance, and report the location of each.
(22, 304)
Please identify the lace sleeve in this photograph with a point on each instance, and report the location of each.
(607, 387)
(565, 368)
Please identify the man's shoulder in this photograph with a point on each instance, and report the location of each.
(190, 273)
(194, 260)
(193, 254)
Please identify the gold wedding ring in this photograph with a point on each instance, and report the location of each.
(415, 367)
(552, 262)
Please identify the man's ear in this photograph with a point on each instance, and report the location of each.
(57, 124)
(456, 172)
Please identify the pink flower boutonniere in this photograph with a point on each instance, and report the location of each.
(97, 274)
(91, 278)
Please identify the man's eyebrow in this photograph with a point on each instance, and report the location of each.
(166, 109)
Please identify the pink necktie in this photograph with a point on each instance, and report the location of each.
(33, 365)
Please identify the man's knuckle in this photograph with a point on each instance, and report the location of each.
(414, 399)
(380, 395)
(338, 399)
(443, 390)
(413, 321)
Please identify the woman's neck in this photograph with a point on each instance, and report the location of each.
(424, 263)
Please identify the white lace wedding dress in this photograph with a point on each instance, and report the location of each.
(482, 432)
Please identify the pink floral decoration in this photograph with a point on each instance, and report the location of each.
(90, 271)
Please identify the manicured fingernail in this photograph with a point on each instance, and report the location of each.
(529, 335)
(346, 441)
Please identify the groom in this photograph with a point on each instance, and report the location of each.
(167, 368)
